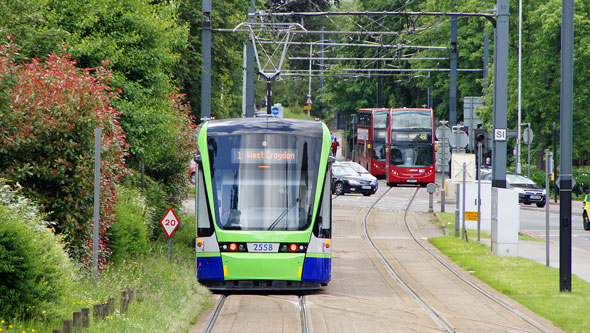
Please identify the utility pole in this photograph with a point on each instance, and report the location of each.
(206, 54)
(250, 99)
(453, 77)
(500, 95)
(565, 145)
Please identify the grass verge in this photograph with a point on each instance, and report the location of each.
(172, 299)
(530, 283)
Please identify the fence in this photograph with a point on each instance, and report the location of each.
(81, 320)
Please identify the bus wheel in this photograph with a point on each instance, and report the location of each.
(339, 188)
(586, 221)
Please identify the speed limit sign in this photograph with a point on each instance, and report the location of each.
(170, 222)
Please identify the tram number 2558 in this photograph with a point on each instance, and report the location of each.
(263, 247)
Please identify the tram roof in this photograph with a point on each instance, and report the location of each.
(265, 125)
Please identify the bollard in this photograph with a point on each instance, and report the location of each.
(124, 300)
(457, 211)
(110, 306)
(131, 294)
(96, 309)
(430, 188)
(68, 323)
(86, 318)
(139, 295)
(77, 316)
(103, 311)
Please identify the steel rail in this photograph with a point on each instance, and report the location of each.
(435, 315)
(215, 314)
(457, 274)
(303, 314)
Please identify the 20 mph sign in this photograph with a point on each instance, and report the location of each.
(170, 222)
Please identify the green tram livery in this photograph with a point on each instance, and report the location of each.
(264, 206)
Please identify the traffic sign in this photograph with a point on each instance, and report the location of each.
(309, 102)
(275, 111)
(527, 136)
(558, 182)
(443, 131)
(170, 222)
(307, 107)
(499, 134)
(470, 216)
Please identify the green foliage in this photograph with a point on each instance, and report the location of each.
(47, 144)
(156, 199)
(143, 41)
(34, 268)
(129, 234)
(226, 57)
(171, 296)
(186, 232)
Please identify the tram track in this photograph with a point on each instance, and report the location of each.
(303, 313)
(437, 316)
(462, 278)
(213, 319)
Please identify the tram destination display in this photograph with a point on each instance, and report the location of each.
(264, 156)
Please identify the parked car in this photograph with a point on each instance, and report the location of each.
(586, 211)
(358, 168)
(346, 180)
(528, 191)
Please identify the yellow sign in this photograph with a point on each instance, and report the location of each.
(307, 107)
(470, 216)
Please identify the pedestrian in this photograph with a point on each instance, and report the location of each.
(335, 145)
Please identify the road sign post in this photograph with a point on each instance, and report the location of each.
(444, 133)
(307, 106)
(170, 223)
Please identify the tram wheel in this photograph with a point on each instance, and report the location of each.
(586, 221)
(339, 188)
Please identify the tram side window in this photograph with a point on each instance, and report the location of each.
(204, 225)
(323, 226)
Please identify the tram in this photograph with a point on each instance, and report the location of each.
(412, 149)
(264, 206)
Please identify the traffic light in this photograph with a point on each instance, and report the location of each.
(480, 135)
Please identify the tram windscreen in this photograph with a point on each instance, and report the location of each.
(264, 181)
(411, 157)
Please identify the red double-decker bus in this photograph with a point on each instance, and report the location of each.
(371, 144)
(411, 154)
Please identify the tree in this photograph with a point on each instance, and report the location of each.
(47, 141)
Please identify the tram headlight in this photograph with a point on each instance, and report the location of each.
(233, 246)
(293, 247)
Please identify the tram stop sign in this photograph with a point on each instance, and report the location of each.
(170, 222)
